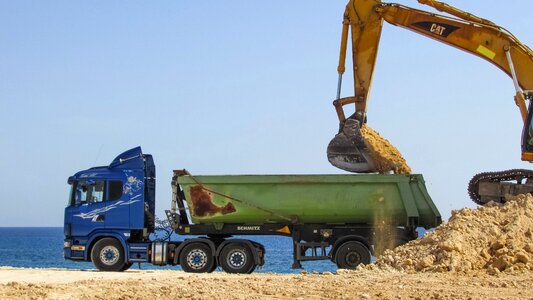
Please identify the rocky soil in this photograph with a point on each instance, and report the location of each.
(492, 239)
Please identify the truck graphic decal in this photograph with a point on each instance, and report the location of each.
(132, 186)
(94, 214)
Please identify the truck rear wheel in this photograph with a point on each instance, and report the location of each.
(351, 254)
(108, 255)
(197, 258)
(237, 258)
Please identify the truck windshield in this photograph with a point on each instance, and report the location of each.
(90, 192)
(71, 200)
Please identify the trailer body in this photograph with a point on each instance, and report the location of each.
(298, 199)
(343, 218)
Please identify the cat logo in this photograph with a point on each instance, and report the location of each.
(440, 29)
(437, 29)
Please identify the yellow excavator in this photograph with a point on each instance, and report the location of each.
(364, 19)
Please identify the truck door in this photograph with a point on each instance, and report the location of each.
(119, 204)
(87, 208)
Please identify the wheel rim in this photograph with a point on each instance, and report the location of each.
(353, 259)
(109, 255)
(236, 259)
(197, 259)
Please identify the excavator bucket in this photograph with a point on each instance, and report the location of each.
(348, 150)
(363, 150)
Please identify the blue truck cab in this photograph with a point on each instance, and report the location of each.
(110, 212)
(110, 216)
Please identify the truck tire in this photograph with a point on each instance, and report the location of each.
(126, 266)
(197, 258)
(351, 254)
(237, 258)
(108, 255)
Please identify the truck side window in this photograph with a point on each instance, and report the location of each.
(81, 193)
(115, 190)
(90, 192)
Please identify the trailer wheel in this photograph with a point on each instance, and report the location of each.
(237, 258)
(108, 255)
(351, 254)
(197, 258)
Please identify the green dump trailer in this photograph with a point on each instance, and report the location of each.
(343, 218)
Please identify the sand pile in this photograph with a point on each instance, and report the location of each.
(492, 239)
(385, 155)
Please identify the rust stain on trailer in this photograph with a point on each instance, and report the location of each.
(203, 206)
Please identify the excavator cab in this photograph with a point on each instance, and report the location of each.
(527, 134)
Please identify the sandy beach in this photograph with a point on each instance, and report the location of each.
(483, 253)
(166, 284)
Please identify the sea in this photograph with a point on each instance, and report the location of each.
(42, 247)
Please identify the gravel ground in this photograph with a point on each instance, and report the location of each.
(166, 284)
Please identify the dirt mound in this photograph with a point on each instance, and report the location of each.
(385, 155)
(492, 239)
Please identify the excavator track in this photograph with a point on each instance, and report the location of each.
(518, 175)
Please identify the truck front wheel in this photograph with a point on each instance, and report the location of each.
(351, 254)
(237, 258)
(126, 266)
(108, 255)
(197, 258)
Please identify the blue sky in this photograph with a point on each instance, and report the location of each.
(233, 87)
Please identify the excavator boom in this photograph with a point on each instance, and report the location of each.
(363, 19)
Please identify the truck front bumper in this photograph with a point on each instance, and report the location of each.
(73, 252)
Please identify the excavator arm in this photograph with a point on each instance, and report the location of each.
(364, 19)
